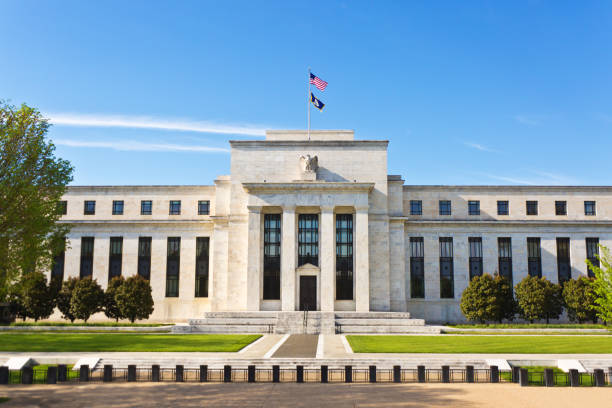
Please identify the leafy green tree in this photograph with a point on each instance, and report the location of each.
(87, 299)
(36, 296)
(602, 284)
(134, 298)
(507, 304)
(538, 298)
(579, 297)
(15, 301)
(487, 298)
(64, 297)
(111, 310)
(32, 181)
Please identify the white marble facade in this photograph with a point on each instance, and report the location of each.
(330, 174)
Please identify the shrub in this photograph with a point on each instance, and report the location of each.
(134, 298)
(579, 298)
(87, 299)
(111, 310)
(36, 296)
(64, 297)
(602, 285)
(487, 299)
(538, 298)
(15, 301)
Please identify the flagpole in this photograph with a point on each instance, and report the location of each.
(308, 101)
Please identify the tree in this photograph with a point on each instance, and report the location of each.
(602, 285)
(36, 296)
(538, 298)
(65, 296)
(15, 301)
(487, 299)
(87, 299)
(579, 297)
(32, 181)
(134, 298)
(111, 310)
(507, 304)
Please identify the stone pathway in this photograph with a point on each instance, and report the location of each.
(298, 345)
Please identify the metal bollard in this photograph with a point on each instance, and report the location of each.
(62, 373)
(469, 373)
(299, 374)
(251, 374)
(549, 377)
(155, 373)
(52, 375)
(108, 373)
(203, 373)
(372, 374)
(131, 373)
(227, 373)
(84, 373)
(275, 373)
(4, 375)
(348, 374)
(27, 375)
(515, 374)
(324, 373)
(445, 374)
(574, 377)
(397, 374)
(421, 374)
(600, 378)
(494, 370)
(179, 377)
(524, 377)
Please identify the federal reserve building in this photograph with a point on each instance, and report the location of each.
(314, 222)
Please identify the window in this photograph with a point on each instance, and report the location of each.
(503, 207)
(589, 208)
(308, 239)
(57, 269)
(62, 207)
(417, 274)
(592, 249)
(564, 269)
(446, 268)
(146, 207)
(475, 256)
(560, 207)
(445, 207)
(344, 256)
(474, 207)
(504, 246)
(90, 208)
(175, 207)
(203, 207)
(87, 248)
(534, 257)
(118, 207)
(144, 257)
(201, 274)
(532, 208)
(173, 261)
(416, 207)
(272, 246)
(114, 259)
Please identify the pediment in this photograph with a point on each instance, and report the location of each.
(308, 267)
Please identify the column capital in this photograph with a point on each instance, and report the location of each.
(289, 208)
(362, 208)
(254, 209)
(327, 208)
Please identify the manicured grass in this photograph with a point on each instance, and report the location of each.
(124, 342)
(482, 344)
(529, 326)
(531, 333)
(100, 324)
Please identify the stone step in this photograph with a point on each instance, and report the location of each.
(388, 329)
(232, 321)
(381, 322)
(372, 315)
(245, 314)
(236, 328)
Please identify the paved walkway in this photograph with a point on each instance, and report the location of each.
(298, 345)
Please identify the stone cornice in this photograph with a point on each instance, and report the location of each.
(510, 189)
(308, 144)
(514, 223)
(339, 187)
(123, 189)
(111, 222)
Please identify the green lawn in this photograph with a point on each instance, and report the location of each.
(530, 326)
(124, 342)
(519, 332)
(100, 324)
(482, 344)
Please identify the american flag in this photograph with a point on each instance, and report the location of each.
(318, 82)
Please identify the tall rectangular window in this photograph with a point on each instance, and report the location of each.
(114, 258)
(560, 207)
(534, 257)
(57, 269)
(564, 269)
(474, 207)
(201, 274)
(447, 289)
(175, 207)
(272, 248)
(504, 246)
(117, 207)
(308, 239)
(589, 208)
(89, 207)
(416, 207)
(62, 207)
(503, 207)
(173, 265)
(475, 256)
(592, 250)
(344, 256)
(203, 207)
(417, 270)
(146, 207)
(144, 257)
(87, 250)
(532, 207)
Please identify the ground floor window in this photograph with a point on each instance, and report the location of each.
(308, 239)
(144, 257)
(87, 249)
(201, 274)
(504, 246)
(475, 256)
(114, 257)
(417, 276)
(564, 269)
(272, 247)
(447, 289)
(57, 270)
(173, 261)
(534, 257)
(592, 249)
(344, 256)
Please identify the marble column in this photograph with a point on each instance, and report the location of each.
(288, 260)
(254, 261)
(327, 259)
(362, 261)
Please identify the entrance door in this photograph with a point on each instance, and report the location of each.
(308, 293)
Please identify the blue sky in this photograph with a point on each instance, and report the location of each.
(466, 92)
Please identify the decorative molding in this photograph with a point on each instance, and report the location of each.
(340, 187)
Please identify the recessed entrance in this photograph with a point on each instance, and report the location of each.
(308, 293)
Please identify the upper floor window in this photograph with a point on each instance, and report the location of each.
(203, 207)
(146, 207)
(532, 208)
(90, 208)
(175, 207)
(62, 207)
(118, 207)
(502, 208)
(589, 208)
(560, 207)
(416, 207)
(474, 207)
(445, 207)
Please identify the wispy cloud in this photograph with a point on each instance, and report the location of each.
(131, 145)
(480, 147)
(147, 122)
(536, 178)
(531, 119)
